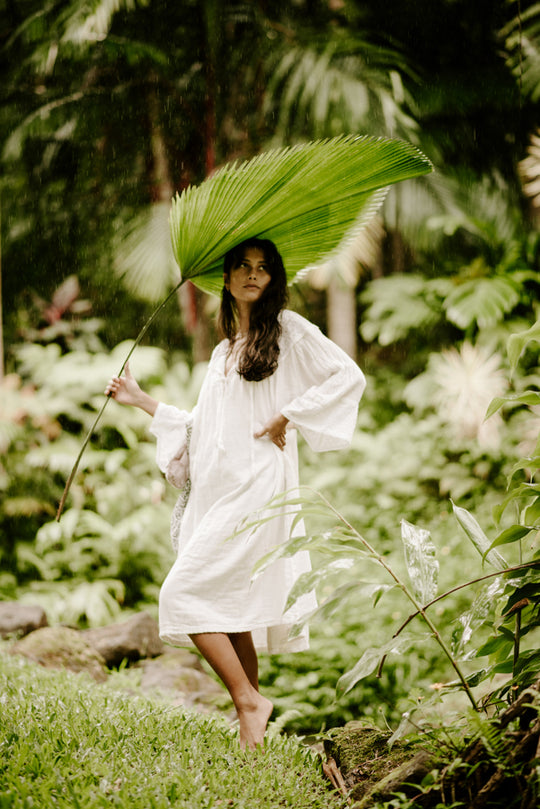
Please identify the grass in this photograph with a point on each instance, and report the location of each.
(67, 742)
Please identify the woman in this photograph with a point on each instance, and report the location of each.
(272, 375)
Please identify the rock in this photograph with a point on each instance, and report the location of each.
(401, 779)
(179, 677)
(370, 769)
(136, 638)
(62, 648)
(20, 619)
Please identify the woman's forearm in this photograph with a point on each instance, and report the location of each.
(145, 402)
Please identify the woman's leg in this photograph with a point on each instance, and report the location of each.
(244, 648)
(253, 709)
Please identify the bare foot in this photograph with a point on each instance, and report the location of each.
(253, 721)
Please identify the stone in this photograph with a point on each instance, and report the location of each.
(20, 619)
(179, 677)
(131, 640)
(401, 779)
(371, 770)
(60, 647)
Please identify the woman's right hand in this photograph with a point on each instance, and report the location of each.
(124, 389)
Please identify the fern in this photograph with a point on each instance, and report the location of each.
(492, 737)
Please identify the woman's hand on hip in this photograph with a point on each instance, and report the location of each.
(275, 428)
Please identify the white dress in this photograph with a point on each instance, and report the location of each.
(210, 587)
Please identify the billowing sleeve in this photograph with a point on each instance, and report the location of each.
(169, 425)
(326, 385)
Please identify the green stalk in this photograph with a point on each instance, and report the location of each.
(86, 441)
(406, 622)
(420, 610)
(517, 632)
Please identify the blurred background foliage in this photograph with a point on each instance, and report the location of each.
(108, 107)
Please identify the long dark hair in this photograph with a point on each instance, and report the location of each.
(260, 356)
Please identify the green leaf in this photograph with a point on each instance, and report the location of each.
(422, 566)
(517, 342)
(529, 397)
(310, 580)
(370, 660)
(484, 301)
(523, 490)
(306, 198)
(512, 534)
(498, 646)
(531, 515)
(478, 538)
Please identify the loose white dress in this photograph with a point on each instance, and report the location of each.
(210, 587)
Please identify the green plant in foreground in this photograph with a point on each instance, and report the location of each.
(510, 596)
(68, 743)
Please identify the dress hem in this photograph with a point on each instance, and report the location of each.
(271, 643)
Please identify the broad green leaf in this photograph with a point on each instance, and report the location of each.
(512, 534)
(498, 647)
(370, 660)
(310, 580)
(531, 515)
(422, 566)
(532, 462)
(476, 616)
(484, 301)
(529, 397)
(306, 198)
(524, 490)
(328, 607)
(517, 342)
(478, 538)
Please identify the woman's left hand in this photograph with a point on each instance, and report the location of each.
(275, 429)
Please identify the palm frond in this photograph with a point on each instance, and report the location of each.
(143, 254)
(90, 22)
(522, 37)
(529, 169)
(309, 199)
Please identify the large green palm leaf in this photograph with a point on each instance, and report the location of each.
(308, 199)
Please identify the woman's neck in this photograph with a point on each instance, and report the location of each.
(244, 312)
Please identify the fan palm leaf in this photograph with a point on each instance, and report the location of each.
(308, 199)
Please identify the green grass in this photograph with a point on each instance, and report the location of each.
(67, 742)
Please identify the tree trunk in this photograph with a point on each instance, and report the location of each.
(341, 315)
(1, 321)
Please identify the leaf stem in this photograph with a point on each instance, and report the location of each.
(86, 441)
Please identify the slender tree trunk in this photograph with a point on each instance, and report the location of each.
(190, 300)
(1, 304)
(341, 315)
(195, 299)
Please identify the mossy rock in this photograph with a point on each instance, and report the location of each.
(370, 768)
(60, 647)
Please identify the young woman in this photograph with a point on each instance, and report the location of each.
(273, 374)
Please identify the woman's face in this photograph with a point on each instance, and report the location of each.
(248, 281)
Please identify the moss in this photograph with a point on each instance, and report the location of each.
(364, 757)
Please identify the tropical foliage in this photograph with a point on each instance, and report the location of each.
(109, 108)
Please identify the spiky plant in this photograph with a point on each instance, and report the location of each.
(467, 380)
(309, 199)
